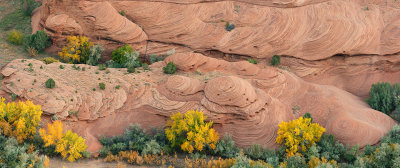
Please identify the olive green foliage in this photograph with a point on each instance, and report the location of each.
(102, 67)
(131, 69)
(226, 147)
(27, 6)
(170, 68)
(14, 155)
(95, 54)
(145, 66)
(384, 97)
(119, 55)
(276, 60)
(102, 86)
(154, 58)
(386, 155)
(132, 59)
(122, 13)
(241, 162)
(15, 37)
(257, 152)
(296, 161)
(152, 147)
(39, 41)
(50, 83)
(393, 136)
(253, 60)
(135, 138)
(49, 60)
(329, 148)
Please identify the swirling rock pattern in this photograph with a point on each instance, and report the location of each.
(299, 28)
(248, 106)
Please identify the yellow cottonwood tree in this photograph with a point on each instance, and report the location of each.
(69, 145)
(19, 120)
(191, 132)
(77, 49)
(299, 133)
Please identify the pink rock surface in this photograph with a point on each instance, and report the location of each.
(243, 99)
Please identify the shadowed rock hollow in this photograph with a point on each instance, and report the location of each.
(243, 99)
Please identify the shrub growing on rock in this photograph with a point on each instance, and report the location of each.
(191, 132)
(50, 83)
(298, 135)
(170, 68)
(253, 61)
(229, 27)
(276, 60)
(15, 37)
(77, 49)
(39, 41)
(102, 86)
(49, 60)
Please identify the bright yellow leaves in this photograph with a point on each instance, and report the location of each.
(191, 132)
(68, 145)
(77, 49)
(19, 120)
(54, 133)
(299, 133)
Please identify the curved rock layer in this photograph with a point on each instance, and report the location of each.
(242, 99)
(306, 29)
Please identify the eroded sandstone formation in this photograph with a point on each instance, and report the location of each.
(310, 31)
(243, 99)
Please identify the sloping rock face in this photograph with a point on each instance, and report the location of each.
(308, 31)
(243, 99)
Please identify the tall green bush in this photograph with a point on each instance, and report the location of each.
(39, 41)
(119, 55)
(276, 60)
(95, 54)
(170, 68)
(226, 147)
(383, 97)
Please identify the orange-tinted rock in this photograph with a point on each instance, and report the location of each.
(247, 101)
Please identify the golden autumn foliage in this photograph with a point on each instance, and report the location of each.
(19, 120)
(77, 49)
(315, 162)
(299, 133)
(69, 144)
(191, 132)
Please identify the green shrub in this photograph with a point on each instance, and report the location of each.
(132, 59)
(276, 60)
(119, 55)
(102, 67)
(117, 87)
(50, 83)
(28, 6)
(16, 155)
(102, 86)
(308, 115)
(62, 67)
(15, 37)
(95, 54)
(122, 13)
(253, 60)
(393, 136)
(152, 147)
(13, 96)
(330, 149)
(229, 27)
(170, 68)
(49, 60)
(131, 70)
(296, 161)
(134, 138)
(241, 162)
(39, 41)
(145, 66)
(383, 97)
(386, 155)
(257, 152)
(154, 58)
(226, 147)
